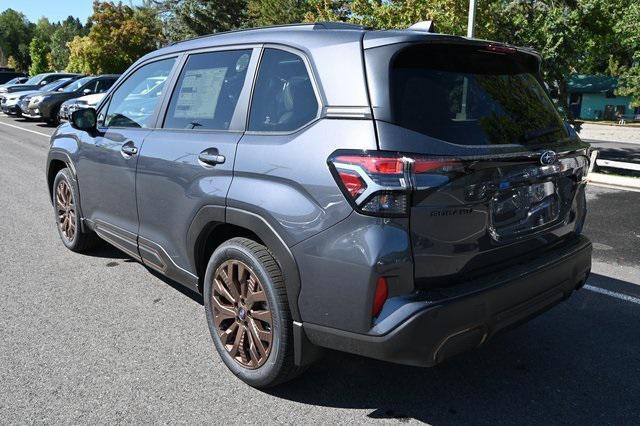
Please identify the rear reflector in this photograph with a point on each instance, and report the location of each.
(382, 292)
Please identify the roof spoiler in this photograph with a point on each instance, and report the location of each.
(426, 26)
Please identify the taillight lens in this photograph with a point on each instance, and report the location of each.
(352, 183)
(380, 183)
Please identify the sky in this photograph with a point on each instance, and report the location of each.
(54, 10)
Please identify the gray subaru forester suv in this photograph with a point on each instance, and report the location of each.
(401, 195)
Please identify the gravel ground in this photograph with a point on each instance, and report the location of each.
(611, 133)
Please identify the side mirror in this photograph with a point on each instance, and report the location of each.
(86, 91)
(84, 119)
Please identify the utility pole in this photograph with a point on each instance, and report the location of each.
(472, 18)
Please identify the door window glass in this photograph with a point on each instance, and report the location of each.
(208, 90)
(283, 98)
(134, 102)
(104, 85)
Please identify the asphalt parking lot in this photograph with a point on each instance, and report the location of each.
(100, 339)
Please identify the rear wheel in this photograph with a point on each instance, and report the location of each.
(65, 202)
(248, 314)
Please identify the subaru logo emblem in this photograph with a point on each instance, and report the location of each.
(548, 157)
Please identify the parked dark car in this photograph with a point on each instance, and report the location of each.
(45, 106)
(9, 74)
(10, 103)
(36, 82)
(406, 205)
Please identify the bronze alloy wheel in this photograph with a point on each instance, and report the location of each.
(241, 314)
(66, 210)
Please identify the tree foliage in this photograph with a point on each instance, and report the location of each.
(65, 33)
(189, 18)
(119, 35)
(39, 47)
(15, 36)
(261, 13)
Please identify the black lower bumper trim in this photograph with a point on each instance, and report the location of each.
(448, 327)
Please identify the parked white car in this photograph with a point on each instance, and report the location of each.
(89, 101)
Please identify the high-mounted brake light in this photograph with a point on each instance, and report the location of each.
(500, 49)
(380, 183)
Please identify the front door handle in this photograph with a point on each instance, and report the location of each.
(129, 149)
(211, 157)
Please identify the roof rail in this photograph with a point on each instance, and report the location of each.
(328, 25)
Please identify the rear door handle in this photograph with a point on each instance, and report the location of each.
(211, 157)
(129, 149)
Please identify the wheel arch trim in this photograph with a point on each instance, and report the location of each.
(259, 226)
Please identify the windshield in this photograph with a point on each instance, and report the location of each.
(55, 85)
(472, 96)
(14, 81)
(77, 84)
(35, 79)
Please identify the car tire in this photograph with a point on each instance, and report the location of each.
(246, 304)
(67, 216)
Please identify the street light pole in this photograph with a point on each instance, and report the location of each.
(472, 18)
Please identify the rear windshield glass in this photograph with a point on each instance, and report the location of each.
(472, 96)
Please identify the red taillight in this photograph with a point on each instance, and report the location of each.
(352, 183)
(380, 184)
(382, 165)
(382, 292)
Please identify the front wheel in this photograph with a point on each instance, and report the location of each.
(248, 313)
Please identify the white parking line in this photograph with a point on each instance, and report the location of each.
(26, 130)
(613, 294)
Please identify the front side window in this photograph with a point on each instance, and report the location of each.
(104, 85)
(130, 105)
(208, 90)
(283, 98)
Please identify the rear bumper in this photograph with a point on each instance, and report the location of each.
(431, 326)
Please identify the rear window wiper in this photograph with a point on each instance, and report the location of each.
(535, 134)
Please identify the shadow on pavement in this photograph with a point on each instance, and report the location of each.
(578, 363)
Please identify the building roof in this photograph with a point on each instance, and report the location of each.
(579, 83)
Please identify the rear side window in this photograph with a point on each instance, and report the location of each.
(134, 101)
(283, 98)
(208, 90)
(472, 96)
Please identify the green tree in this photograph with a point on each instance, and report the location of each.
(273, 12)
(65, 33)
(39, 47)
(119, 35)
(190, 18)
(327, 10)
(11, 62)
(15, 35)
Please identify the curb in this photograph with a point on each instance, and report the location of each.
(613, 181)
